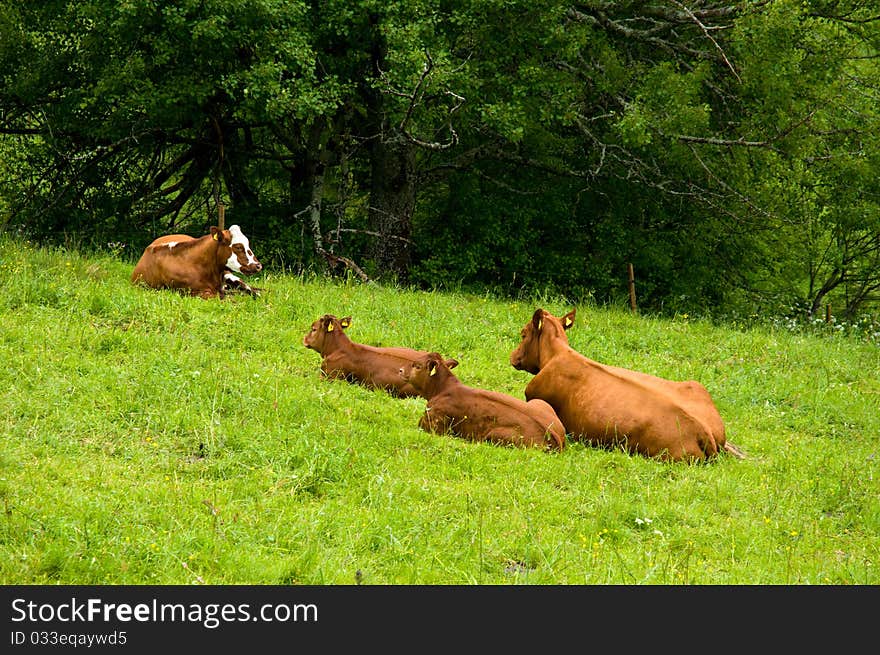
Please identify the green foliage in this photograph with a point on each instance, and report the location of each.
(729, 152)
(150, 438)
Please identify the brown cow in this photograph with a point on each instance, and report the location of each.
(374, 367)
(478, 414)
(202, 266)
(609, 406)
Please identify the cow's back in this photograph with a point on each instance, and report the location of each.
(374, 367)
(152, 268)
(484, 414)
(690, 394)
(607, 405)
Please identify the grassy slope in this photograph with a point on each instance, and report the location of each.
(151, 438)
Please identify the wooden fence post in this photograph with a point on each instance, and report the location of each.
(632, 289)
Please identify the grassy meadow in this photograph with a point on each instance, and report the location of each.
(151, 438)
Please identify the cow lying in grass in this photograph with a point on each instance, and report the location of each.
(200, 266)
(374, 367)
(609, 406)
(478, 414)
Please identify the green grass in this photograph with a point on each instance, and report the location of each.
(149, 438)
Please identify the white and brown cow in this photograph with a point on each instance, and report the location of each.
(203, 266)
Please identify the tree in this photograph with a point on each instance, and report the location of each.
(141, 110)
(728, 149)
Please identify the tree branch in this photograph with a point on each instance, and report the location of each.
(416, 98)
(709, 36)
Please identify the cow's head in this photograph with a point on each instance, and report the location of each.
(326, 328)
(537, 334)
(426, 372)
(236, 250)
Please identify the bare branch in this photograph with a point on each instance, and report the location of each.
(416, 98)
(333, 260)
(722, 142)
(416, 95)
(709, 36)
(338, 230)
(744, 199)
(767, 143)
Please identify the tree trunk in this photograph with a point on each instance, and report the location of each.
(392, 201)
(313, 216)
(392, 167)
(834, 280)
(236, 154)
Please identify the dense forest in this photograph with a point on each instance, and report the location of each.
(729, 151)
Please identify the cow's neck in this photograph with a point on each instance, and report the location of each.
(442, 381)
(550, 346)
(334, 342)
(220, 253)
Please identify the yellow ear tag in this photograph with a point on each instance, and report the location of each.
(329, 327)
(434, 370)
(568, 322)
(345, 324)
(540, 324)
(215, 236)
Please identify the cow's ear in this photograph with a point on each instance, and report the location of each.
(538, 319)
(345, 322)
(222, 236)
(568, 319)
(329, 325)
(432, 367)
(451, 363)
